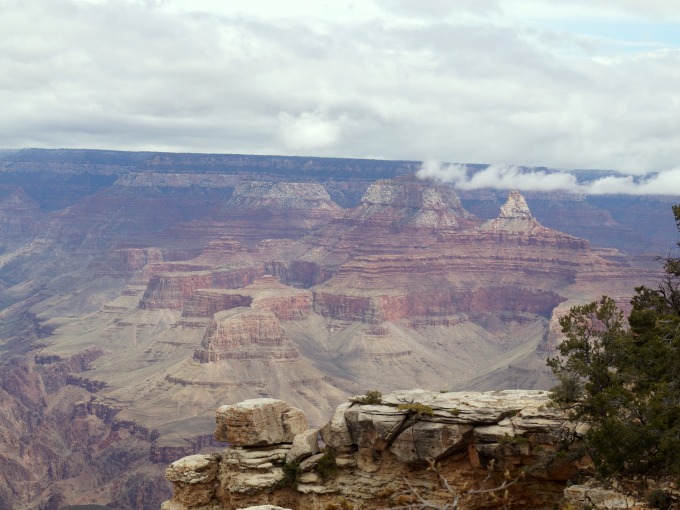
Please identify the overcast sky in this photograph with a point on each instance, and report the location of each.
(578, 84)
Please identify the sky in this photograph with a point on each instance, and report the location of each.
(590, 84)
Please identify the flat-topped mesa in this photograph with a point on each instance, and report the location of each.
(173, 290)
(222, 252)
(288, 204)
(375, 451)
(288, 195)
(245, 334)
(265, 293)
(407, 202)
(276, 210)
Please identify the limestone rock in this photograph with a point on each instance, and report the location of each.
(305, 445)
(193, 469)
(374, 426)
(194, 478)
(471, 407)
(310, 477)
(383, 445)
(260, 458)
(426, 440)
(336, 433)
(600, 498)
(310, 462)
(249, 483)
(259, 422)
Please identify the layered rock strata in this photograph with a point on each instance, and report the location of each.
(164, 272)
(373, 452)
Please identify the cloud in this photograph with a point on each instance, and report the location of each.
(523, 179)
(308, 131)
(459, 81)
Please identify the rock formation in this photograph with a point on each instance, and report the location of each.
(373, 452)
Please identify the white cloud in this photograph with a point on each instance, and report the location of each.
(308, 131)
(498, 177)
(523, 179)
(458, 81)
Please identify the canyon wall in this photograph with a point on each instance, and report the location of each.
(139, 291)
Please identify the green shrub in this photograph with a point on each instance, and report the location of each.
(291, 474)
(371, 397)
(659, 498)
(327, 467)
(416, 407)
(512, 440)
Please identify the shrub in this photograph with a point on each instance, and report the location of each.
(371, 397)
(416, 407)
(291, 474)
(658, 498)
(512, 440)
(327, 467)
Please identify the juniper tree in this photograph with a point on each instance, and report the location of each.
(622, 376)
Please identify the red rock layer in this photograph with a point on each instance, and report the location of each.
(174, 290)
(265, 293)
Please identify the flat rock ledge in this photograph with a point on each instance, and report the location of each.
(368, 454)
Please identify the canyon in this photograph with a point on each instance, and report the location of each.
(141, 291)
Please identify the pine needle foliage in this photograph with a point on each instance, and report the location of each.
(622, 376)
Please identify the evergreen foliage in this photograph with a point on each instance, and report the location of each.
(327, 466)
(623, 377)
(417, 408)
(371, 397)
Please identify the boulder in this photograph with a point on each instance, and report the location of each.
(429, 440)
(336, 432)
(310, 462)
(374, 426)
(305, 445)
(194, 479)
(193, 469)
(259, 422)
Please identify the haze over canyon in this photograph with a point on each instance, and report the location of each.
(141, 291)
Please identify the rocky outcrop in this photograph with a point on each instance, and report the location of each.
(259, 422)
(374, 452)
(265, 293)
(245, 333)
(134, 259)
(405, 202)
(174, 290)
